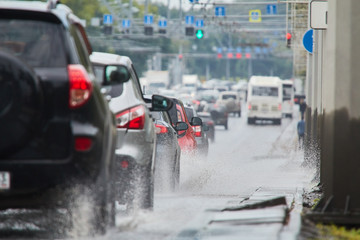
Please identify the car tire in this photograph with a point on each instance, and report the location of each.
(251, 121)
(104, 208)
(277, 121)
(239, 114)
(21, 103)
(147, 183)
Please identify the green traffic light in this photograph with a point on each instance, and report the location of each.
(199, 34)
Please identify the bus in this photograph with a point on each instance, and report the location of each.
(264, 99)
(288, 98)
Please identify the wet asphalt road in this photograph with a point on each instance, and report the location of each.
(245, 164)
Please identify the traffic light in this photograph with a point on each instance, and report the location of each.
(107, 30)
(199, 34)
(189, 31)
(288, 40)
(148, 31)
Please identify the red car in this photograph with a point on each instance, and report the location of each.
(186, 138)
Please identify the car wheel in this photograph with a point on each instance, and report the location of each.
(226, 126)
(176, 174)
(239, 113)
(277, 121)
(147, 183)
(250, 121)
(21, 103)
(104, 205)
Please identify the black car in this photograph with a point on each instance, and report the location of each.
(206, 118)
(57, 132)
(168, 151)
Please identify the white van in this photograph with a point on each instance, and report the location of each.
(264, 99)
(288, 98)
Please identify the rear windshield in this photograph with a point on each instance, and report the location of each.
(35, 42)
(265, 91)
(287, 91)
(228, 97)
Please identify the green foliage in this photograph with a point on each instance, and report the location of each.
(338, 232)
(85, 9)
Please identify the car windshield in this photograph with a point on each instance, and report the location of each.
(265, 91)
(228, 97)
(37, 43)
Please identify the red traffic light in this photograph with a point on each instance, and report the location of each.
(288, 36)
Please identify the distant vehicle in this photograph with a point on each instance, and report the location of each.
(136, 138)
(201, 137)
(186, 138)
(168, 151)
(288, 98)
(206, 118)
(219, 114)
(190, 82)
(57, 132)
(231, 100)
(264, 99)
(156, 81)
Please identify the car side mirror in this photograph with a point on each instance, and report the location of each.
(115, 74)
(160, 103)
(205, 127)
(181, 126)
(196, 121)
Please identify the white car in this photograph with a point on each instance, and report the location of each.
(231, 100)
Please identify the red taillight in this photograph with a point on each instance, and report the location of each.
(133, 118)
(80, 85)
(83, 144)
(197, 130)
(161, 129)
(124, 164)
(249, 106)
(210, 123)
(279, 107)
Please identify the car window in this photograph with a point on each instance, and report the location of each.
(265, 91)
(35, 42)
(228, 97)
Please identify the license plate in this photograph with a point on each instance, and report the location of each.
(4, 180)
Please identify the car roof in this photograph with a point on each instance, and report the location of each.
(109, 58)
(52, 7)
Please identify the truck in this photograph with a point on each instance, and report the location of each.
(190, 82)
(156, 80)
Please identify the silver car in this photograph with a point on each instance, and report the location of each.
(136, 138)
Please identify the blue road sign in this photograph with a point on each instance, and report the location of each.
(126, 23)
(220, 11)
(219, 50)
(238, 49)
(162, 23)
(199, 23)
(148, 19)
(189, 20)
(107, 19)
(194, 1)
(271, 9)
(308, 41)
